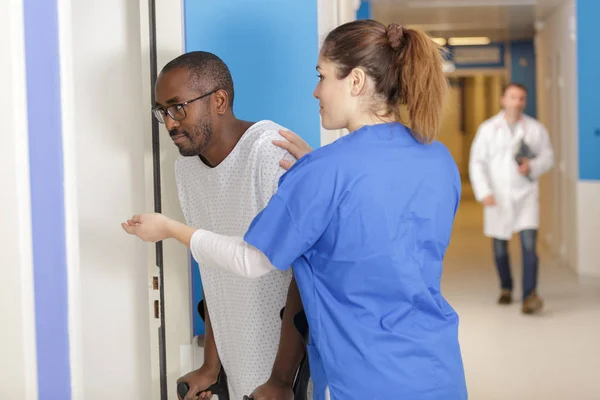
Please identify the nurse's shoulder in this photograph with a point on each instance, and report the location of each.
(323, 156)
(326, 169)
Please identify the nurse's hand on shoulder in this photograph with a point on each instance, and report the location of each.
(151, 227)
(273, 391)
(294, 144)
(489, 201)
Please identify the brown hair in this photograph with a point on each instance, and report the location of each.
(515, 85)
(405, 64)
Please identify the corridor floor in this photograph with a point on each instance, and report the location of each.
(508, 356)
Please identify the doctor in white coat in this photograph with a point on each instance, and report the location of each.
(509, 154)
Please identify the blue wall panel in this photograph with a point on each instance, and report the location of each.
(271, 48)
(588, 60)
(522, 71)
(364, 11)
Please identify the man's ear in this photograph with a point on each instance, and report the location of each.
(221, 101)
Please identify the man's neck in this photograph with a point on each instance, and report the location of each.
(512, 119)
(225, 138)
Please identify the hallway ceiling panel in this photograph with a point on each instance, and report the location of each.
(497, 19)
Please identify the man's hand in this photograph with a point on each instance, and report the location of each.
(150, 227)
(198, 381)
(489, 201)
(294, 144)
(524, 167)
(273, 391)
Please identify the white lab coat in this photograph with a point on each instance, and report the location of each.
(493, 170)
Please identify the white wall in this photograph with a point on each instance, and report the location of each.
(104, 136)
(574, 205)
(588, 218)
(557, 96)
(18, 377)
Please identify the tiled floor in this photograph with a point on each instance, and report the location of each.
(508, 356)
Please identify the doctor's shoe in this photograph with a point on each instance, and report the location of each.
(532, 304)
(505, 297)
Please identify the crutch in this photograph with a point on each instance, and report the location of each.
(219, 388)
(300, 386)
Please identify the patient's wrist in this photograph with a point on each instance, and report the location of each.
(281, 381)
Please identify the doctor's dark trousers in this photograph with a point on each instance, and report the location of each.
(530, 262)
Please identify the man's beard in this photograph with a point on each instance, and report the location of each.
(196, 142)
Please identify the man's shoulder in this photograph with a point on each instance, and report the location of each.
(264, 132)
(491, 122)
(531, 121)
(262, 135)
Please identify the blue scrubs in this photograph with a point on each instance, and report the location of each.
(365, 223)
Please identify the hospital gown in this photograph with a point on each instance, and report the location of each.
(244, 313)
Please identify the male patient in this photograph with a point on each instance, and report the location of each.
(227, 175)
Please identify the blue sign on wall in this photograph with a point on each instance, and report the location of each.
(484, 56)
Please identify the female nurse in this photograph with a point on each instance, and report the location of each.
(364, 222)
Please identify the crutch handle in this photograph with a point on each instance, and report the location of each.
(182, 389)
(217, 389)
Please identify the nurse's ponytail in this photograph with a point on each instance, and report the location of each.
(405, 65)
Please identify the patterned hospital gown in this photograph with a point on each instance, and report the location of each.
(244, 313)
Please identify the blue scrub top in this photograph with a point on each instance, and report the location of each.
(365, 223)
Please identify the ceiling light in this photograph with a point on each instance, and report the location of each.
(439, 40)
(468, 41)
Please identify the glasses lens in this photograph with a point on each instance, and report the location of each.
(176, 112)
(159, 115)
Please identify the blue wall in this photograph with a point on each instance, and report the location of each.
(197, 296)
(364, 12)
(588, 59)
(47, 198)
(522, 70)
(271, 48)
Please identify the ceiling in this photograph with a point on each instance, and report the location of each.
(497, 19)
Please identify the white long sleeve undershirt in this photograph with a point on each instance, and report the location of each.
(229, 253)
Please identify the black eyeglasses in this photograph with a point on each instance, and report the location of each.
(176, 111)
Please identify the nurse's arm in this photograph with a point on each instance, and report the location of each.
(227, 252)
